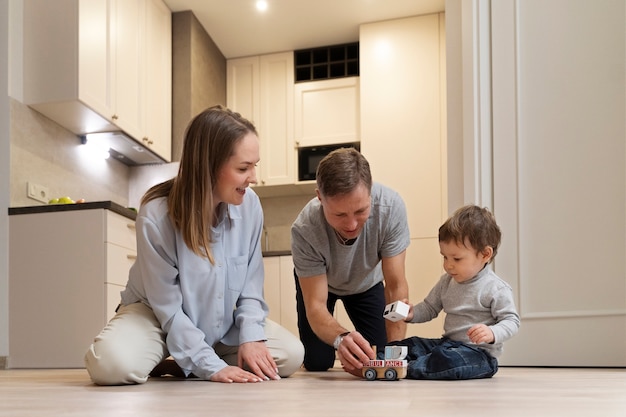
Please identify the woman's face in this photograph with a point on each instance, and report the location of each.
(238, 172)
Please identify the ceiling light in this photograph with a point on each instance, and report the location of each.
(261, 5)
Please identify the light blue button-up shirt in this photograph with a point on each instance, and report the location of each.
(199, 304)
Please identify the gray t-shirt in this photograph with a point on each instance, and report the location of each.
(355, 268)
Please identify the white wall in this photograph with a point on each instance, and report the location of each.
(5, 147)
(542, 89)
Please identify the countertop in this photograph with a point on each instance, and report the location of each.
(276, 253)
(50, 208)
(108, 205)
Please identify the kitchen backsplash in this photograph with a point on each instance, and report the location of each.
(46, 154)
(279, 213)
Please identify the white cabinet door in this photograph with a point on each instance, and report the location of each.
(65, 283)
(280, 291)
(404, 137)
(101, 65)
(158, 75)
(402, 114)
(271, 286)
(278, 152)
(127, 39)
(327, 112)
(94, 56)
(261, 89)
(66, 59)
(288, 313)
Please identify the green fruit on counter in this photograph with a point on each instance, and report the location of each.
(66, 200)
(54, 201)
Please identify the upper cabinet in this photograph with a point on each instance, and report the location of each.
(101, 65)
(261, 89)
(403, 114)
(327, 112)
(158, 76)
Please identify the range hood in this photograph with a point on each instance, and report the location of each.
(123, 148)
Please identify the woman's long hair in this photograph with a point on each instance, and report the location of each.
(210, 140)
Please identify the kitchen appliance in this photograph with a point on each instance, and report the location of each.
(310, 156)
(123, 148)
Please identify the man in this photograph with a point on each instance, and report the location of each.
(348, 243)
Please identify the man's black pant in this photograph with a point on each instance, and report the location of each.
(365, 310)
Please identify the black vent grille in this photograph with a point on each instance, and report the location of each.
(327, 62)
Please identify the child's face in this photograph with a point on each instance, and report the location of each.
(462, 262)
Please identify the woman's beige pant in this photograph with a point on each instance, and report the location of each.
(133, 343)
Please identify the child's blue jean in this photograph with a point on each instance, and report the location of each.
(446, 359)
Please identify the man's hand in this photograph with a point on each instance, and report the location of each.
(353, 352)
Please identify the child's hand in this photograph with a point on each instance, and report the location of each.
(479, 333)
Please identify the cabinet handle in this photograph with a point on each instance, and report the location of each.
(131, 226)
(115, 117)
(132, 257)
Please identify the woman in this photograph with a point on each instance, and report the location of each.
(196, 289)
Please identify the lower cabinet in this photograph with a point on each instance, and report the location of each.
(280, 291)
(280, 294)
(66, 272)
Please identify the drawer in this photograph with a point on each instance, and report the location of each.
(121, 231)
(119, 260)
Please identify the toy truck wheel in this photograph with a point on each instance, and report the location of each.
(370, 374)
(391, 374)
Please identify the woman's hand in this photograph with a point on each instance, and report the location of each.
(234, 374)
(258, 359)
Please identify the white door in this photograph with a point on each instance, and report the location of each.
(556, 116)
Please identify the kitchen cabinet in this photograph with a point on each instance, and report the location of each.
(280, 291)
(101, 65)
(406, 114)
(327, 112)
(65, 276)
(280, 294)
(403, 134)
(261, 89)
(158, 76)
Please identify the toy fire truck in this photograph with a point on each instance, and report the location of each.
(391, 368)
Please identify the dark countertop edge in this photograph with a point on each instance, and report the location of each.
(51, 208)
(267, 254)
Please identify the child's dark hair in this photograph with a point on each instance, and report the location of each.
(477, 225)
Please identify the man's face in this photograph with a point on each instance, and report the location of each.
(347, 213)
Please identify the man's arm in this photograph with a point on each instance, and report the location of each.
(354, 350)
(396, 288)
(315, 295)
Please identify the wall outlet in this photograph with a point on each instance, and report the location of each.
(38, 192)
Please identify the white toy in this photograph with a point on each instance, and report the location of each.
(396, 311)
